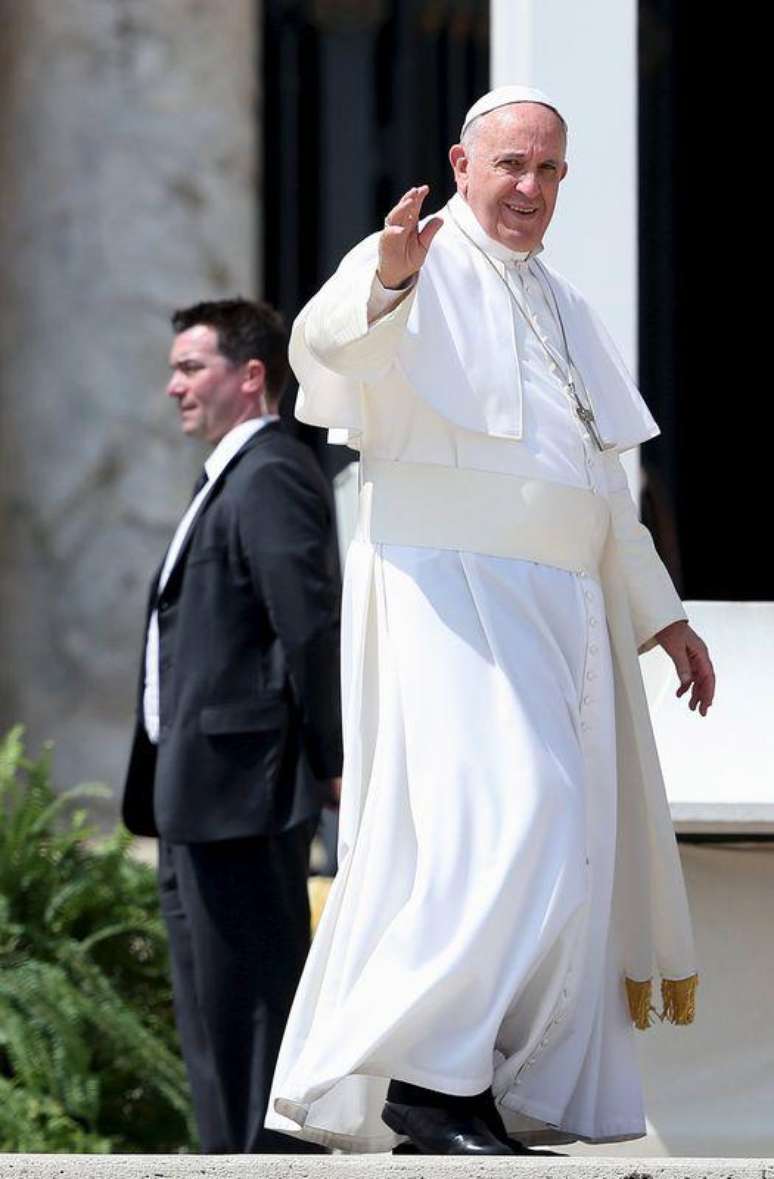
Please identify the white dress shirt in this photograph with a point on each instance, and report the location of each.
(215, 465)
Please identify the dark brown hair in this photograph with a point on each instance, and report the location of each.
(246, 331)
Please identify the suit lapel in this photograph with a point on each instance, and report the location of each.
(153, 594)
(261, 437)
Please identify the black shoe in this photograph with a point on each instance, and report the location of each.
(437, 1131)
(487, 1110)
(491, 1115)
(496, 1125)
(516, 1148)
(513, 1144)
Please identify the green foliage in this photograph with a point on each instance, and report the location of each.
(89, 1061)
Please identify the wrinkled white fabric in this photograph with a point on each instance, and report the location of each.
(467, 933)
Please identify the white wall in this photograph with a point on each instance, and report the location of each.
(585, 57)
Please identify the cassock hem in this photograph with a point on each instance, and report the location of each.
(551, 1135)
(335, 1141)
(440, 1081)
(610, 1132)
(551, 1132)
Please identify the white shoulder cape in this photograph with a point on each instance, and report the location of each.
(451, 352)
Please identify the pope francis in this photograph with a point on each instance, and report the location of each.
(509, 882)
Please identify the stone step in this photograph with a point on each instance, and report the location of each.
(49, 1166)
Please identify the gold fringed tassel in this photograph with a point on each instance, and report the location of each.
(639, 995)
(679, 999)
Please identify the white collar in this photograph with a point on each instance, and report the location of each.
(233, 442)
(462, 211)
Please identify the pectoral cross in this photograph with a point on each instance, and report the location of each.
(586, 415)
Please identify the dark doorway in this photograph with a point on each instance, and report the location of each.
(703, 352)
(362, 100)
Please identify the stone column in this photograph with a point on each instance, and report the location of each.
(128, 187)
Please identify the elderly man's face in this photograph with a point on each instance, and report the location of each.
(209, 390)
(510, 172)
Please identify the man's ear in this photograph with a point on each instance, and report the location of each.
(458, 158)
(255, 377)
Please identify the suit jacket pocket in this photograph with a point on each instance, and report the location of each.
(250, 717)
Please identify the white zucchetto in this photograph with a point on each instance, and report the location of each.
(504, 96)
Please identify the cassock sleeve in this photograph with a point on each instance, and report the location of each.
(335, 323)
(288, 545)
(653, 599)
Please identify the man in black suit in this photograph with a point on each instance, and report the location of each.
(238, 740)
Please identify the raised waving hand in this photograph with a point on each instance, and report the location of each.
(402, 247)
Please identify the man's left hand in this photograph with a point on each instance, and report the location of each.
(692, 662)
(332, 794)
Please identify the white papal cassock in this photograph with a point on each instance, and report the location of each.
(486, 911)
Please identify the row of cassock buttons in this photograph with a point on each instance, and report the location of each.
(592, 650)
(554, 1021)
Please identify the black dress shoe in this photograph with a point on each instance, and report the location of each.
(516, 1148)
(497, 1126)
(491, 1115)
(438, 1131)
(487, 1111)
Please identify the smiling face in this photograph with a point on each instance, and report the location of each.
(213, 395)
(509, 170)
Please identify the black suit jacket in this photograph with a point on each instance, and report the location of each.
(248, 657)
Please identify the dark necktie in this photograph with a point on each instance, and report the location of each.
(199, 484)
